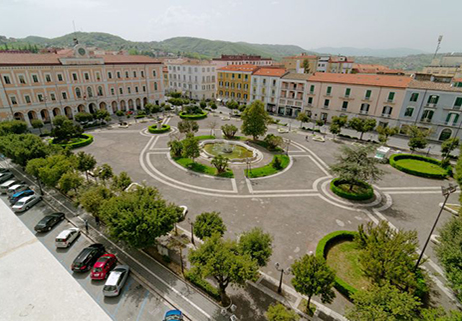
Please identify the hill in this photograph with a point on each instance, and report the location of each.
(412, 62)
(350, 51)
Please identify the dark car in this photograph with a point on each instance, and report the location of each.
(6, 176)
(173, 315)
(16, 197)
(4, 170)
(85, 260)
(47, 223)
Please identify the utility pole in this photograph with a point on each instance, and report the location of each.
(440, 38)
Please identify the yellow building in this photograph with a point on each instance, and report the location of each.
(234, 82)
(295, 63)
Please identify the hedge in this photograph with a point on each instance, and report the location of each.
(154, 130)
(323, 248)
(396, 157)
(86, 139)
(203, 285)
(183, 115)
(269, 169)
(351, 195)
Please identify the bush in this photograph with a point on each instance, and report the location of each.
(85, 139)
(269, 169)
(154, 130)
(351, 195)
(140, 116)
(447, 171)
(323, 248)
(184, 115)
(203, 285)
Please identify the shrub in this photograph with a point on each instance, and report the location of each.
(202, 284)
(154, 130)
(202, 115)
(85, 139)
(351, 195)
(396, 157)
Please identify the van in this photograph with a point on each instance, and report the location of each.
(66, 237)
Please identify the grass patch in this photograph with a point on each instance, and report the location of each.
(154, 130)
(269, 169)
(266, 145)
(343, 258)
(360, 191)
(204, 137)
(302, 306)
(421, 166)
(201, 168)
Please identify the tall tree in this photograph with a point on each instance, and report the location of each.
(312, 276)
(306, 66)
(191, 147)
(85, 162)
(417, 137)
(82, 117)
(92, 199)
(65, 129)
(121, 182)
(188, 126)
(220, 163)
(255, 120)
(221, 260)
(273, 141)
(257, 244)
(362, 125)
(13, 127)
(70, 181)
(104, 172)
(337, 123)
(37, 123)
(207, 224)
(303, 118)
(448, 146)
(54, 167)
(229, 131)
(23, 147)
(386, 132)
(212, 125)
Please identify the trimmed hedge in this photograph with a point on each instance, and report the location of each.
(203, 285)
(183, 115)
(350, 195)
(269, 169)
(86, 139)
(323, 248)
(396, 157)
(154, 130)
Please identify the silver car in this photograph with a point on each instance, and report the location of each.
(116, 280)
(16, 188)
(26, 202)
(6, 185)
(6, 176)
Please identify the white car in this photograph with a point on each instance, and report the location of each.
(116, 280)
(66, 237)
(26, 202)
(184, 211)
(16, 188)
(5, 186)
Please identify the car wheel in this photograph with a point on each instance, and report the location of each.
(49, 229)
(62, 218)
(27, 208)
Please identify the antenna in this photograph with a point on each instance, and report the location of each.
(440, 37)
(73, 24)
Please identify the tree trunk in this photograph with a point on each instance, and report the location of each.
(308, 310)
(351, 187)
(223, 297)
(361, 136)
(40, 131)
(86, 174)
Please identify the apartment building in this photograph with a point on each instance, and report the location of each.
(296, 63)
(377, 96)
(293, 94)
(334, 64)
(42, 86)
(234, 82)
(196, 79)
(228, 60)
(448, 65)
(266, 86)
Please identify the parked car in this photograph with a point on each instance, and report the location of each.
(173, 315)
(116, 280)
(85, 260)
(16, 197)
(16, 189)
(47, 223)
(6, 185)
(103, 266)
(6, 176)
(26, 202)
(66, 237)
(4, 170)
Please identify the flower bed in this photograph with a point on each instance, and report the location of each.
(269, 169)
(154, 130)
(184, 115)
(76, 142)
(201, 168)
(361, 190)
(420, 166)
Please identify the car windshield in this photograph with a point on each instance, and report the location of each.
(20, 203)
(98, 269)
(109, 288)
(103, 259)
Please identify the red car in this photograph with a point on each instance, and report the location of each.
(102, 267)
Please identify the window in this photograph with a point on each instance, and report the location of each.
(433, 99)
(121, 91)
(7, 79)
(40, 97)
(129, 90)
(347, 92)
(391, 97)
(326, 103)
(60, 77)
(98, 76)
(344, 105)
(53, 97)
(386, 111)
(246, 77)
(329, 91)
(134, 74)
(445, 134)
(112, 91)
(364, 108)
(126, 74)
(368, 94)
(118, 74)
(427, 115)
(13, 100)
(100, 91)
(458, 103)
(48, 78)
(86, 76)
(324, 117)
(142, 73)
(310, 101)
(409, 111)
(21, 79)
(64, 95)
(136, 89)
(155, 75)
(34, 78)
(90, 92)
(74, 76)
(155, 86)
(452, 119)
(109, 75)
(27, 98)
(78, 93)
(144, 89)
(311, 89)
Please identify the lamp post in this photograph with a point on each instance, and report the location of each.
(446, 192)
(283, 271)
(192, 230)
(288, 144)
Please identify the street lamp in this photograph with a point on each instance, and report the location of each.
(192, 230)
(446, 192)
(288, 144)
(283, 271)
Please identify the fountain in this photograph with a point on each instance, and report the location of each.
(236, 152)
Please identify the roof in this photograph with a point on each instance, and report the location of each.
(240, 57)
(65, 233)
(369, 68)
(362, 79)
(302, 56)
(113, 278)
(242, 68)
(431, 85)
(296, 76)
(190, 62)
(270, 72)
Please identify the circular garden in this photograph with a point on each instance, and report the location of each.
(154, 129)
(193, 113)
(74, 142)
(420, 166)
(357, 190)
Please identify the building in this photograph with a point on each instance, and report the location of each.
(448, 65)
(292, 97)
(433, 103)
(42, 86)
(196, 79)
(266, 86)
(228, 60)
(334, 64)
(165, 74)
(234, 82)
(296, 63)
(377, 96)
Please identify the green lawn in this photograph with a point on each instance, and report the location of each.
(356, 188)
(201, 168)
(265, 145)
(343, 258)
(269, 169)
(421, 166)
(204, 137)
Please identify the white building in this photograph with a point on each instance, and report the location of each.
(227, 60)
(266, 86)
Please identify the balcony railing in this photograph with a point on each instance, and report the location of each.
(363, 112)
(386, 115)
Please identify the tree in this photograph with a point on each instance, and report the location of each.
(303, 118)
(312, 276)
(213, 106)
(65, 129)
(120, 114)
(176, 148)
(191, 147)
(92, 199)
(417, 137)
(439, 314)
(139, 217)
(362, 125)
(386, 132)
(255, 120)
(203, 104)
(33, 167)
(388, 255)
(188, 126)
(104, 172)
(355, 165)
(212, 124)
(121, 182)
(257, 244)
(337, 123)
(53, 168)
(229, 131)
(70, 181)
(306, 66)
(233, 105)
(102, 114)
(221, 260)
(37, 123)
(273, 141)
(21, 148)
(278, 312)
(13, 127)
(448, 146)
(85, 162)
(83, 117)
(383, 303)
(207, 224)
(220, 163)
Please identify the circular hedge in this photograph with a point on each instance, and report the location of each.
(323, 248)
(183, 115)
(334, 186)
(154, 130)
(83, 140)
(420, 166)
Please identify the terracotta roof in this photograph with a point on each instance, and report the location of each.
(362, 79)
(190, 62)
(242, 68)
(296, 76)
(457, 79)
(270, 72)
(240, 57)
(431, 85)
(369, 68)
(128, 59)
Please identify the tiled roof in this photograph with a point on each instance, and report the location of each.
(270, 72)
(190, 62)
(431, 85)
(239, 58)
(296, 76)
(242, 68)
(457, 79)
(128, 59)
(362, 79)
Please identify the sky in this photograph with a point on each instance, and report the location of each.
(377, 24)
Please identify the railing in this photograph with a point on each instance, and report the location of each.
(363, 112)
(386, 115)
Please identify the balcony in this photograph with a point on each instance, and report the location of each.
(386, 115)
(363, 112)
(430, 105)
(426, 120)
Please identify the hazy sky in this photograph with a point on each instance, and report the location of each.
(307, 23)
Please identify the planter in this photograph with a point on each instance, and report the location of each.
(420, 166)
(154, 130)
(84, 140)
(183, 115)
(368, 192)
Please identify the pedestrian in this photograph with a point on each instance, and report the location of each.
(97, 221)
(86, 225)
(306, 137)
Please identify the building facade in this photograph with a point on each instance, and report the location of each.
(229, 60)
(266, 86)
(296, 63)
(448, 65)
(292, 97)
(334, 64)
(234, 82)
(42, 86)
